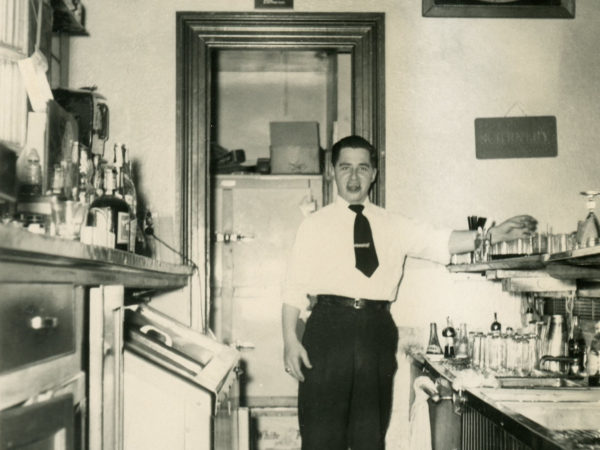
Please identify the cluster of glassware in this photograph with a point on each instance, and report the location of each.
(537, 243)
(505, 353)
(586, 235)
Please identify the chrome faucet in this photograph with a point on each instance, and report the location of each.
(572, 366)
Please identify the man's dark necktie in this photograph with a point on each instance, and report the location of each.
(364, 247)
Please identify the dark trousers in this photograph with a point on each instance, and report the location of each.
(346, 398)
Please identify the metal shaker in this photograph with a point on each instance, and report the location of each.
(556, 341)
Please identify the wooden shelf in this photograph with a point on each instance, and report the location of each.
(26, 257)
(520, 263)
(552, 273)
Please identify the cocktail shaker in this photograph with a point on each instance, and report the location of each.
(556, 341)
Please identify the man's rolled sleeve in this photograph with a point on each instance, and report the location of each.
(427, 241)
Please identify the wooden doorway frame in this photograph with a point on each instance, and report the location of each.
(200, 33)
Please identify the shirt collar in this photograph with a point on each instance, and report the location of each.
(343, 203)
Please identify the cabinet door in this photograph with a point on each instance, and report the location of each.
(40, 338)
(45, 425)
(106, 368)
(260, 215)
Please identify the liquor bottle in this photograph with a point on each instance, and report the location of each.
(97, 183)
(30, 177)
(128, 191)
(70, 166)
(462, 348)
(116, 209)
(594, 358)
(117, 163)
(433, 346)
(86, 174)
(529, 312)
(496, 327)
(67, 179)
(58, 191)
(449, 334)
(576, 346)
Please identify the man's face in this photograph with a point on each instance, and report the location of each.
(354, 174)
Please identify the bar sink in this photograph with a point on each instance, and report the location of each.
(559, 415)
(543, 395)
(539, 382)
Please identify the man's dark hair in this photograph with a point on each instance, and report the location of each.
(353, 142)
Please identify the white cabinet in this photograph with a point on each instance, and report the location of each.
(106, 368)
(61, 338)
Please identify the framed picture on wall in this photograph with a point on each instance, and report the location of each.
(532, 9)
(269, 4)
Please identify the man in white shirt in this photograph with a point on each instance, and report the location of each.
(347, 359)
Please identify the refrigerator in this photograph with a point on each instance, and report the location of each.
(254, 223)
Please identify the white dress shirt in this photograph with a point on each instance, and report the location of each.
(322, 259)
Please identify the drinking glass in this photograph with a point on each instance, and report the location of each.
(588, 231)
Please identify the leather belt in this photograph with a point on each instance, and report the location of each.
(349, 302)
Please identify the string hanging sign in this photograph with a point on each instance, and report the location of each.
(515, 137)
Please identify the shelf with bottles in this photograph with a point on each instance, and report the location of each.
(549, 349)
(564, 255)
(90, 198)
(579, 263)
(26, 257)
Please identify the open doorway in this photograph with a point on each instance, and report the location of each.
(236, 72)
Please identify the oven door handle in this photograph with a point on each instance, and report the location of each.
(149, 329)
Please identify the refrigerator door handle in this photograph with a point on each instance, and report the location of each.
(233, 237)
(239, 345)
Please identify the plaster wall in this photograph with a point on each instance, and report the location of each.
(441, 74)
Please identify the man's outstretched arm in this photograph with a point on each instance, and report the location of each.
(463, 241)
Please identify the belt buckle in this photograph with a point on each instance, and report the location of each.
(357, 303)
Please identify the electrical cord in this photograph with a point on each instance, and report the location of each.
(149, 231)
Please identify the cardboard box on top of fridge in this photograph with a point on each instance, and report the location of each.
(295, 148)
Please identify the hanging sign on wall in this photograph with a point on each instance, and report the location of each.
(273, 3)
(515, 137)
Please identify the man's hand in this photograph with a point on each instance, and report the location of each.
(294, 354)
(513, 228)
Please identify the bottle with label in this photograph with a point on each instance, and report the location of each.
(86, 174)
(58, 183)
(496, 327)
(29, 175)
(529, 318)
(97, 182)
(128, 192)
(462, 349)
(433, 346)
(593, 366)
(449, 334)
(116, 210)
(576, 347)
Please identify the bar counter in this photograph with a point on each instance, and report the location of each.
(26, 256)
(533, 418)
